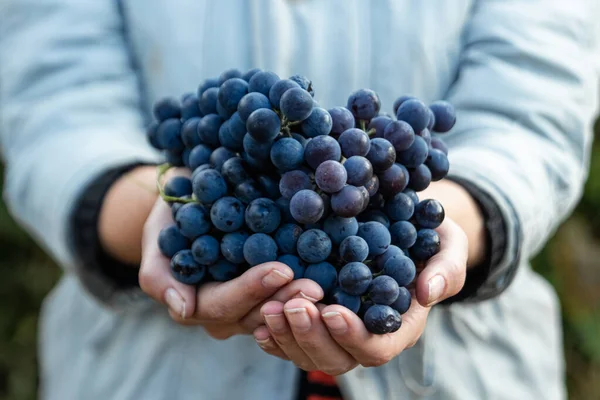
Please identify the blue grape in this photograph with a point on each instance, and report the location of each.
(176, 206)
(445, 116)
(438, 164)
(263, 125)
(269, 186)
(287, 154)
(352, 303)
(318, 123)
(381, 155)
(284, 208)
(185, 270)
(208, 129)
(232, 246)
(168, 135)
(223, 271)
(297, 266)
(403, 233)
(151, 132)
(400, 134)
(260, 248)
(292, 182)
(199, 155)
(250, 73)
(229, 74)
(207, 102)
(400, 207)
(341, 119)
(227, 139)
(190, 107)
(304, 83)
(178, 186)
(425, 134)
(381, 319)
(402, 303)
(262, 82)
(380, 260)
(377, 237)
(192, 220)
(314, 246)
(415, 113)
(420, 178)
(248, 191)
(354, 248)
(171, 241)
(439, 144)
(219, 156)
(429, 214)
(402, 269)
(354, 142)
(379, 124)
(354, 278)
(348, 202)
(227, 214)
(278, 89)
(331, 176)
(365, 197)
(383, 290)
(307, 206)
(223, 112)
(207, 84)
(359, 170)
(262, 215)
(375, 215)
(364, 104)
(393, 180)
(189, 132)
(256, 149)
(296, 104)
(426, 246)
(372, 186)
(321, 149)
(167, 108)
(338, 228)
(398, 102)
(235, 171)
(412, 194)
(209, 186)
(205, 250)
(250, 103)
(185, 157)
(286, 238)
(431, 122)
(199, 169)
(324, 274)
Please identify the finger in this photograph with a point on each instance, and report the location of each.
(232, 300)
(155, 273)
(267, 344)
(444, 275)
(280, 331)
(301, 288)
(371, 350)
(314, 339)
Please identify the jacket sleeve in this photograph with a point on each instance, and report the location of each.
(69, 112)
(526, 95)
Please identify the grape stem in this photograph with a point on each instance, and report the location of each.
(161, 170)
(363, 125)
(371, 132)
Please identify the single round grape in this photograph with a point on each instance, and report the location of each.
(364, 104)
(352, 303)
(167, 108)
(209, 186)
(207, 84)
(401, 268)
(231, 92)
(278, 89)
(235, 171)
(250, 103)
(377, 237)
(400, 207)
(438, 164)
(426, 246)
(232, 132)
(304, 83)
(348, 202)
(372, 186)
(227, 214)
(354, 248)
(415, 113)
(296, 104)
(208, 129)
(402, 303)
(331, 176)
(398, 102)
(256, 149)
(287, 236)
(263, 125)
(171, 241)
(229, 74)
(269, 186)
(380, 260)
(192, 220)
(205, 250)
(359, 170)
(354, 278)
(297, 265)
(223, 271)
(381, 155)
(404, 234)
(341, 120)
(262, 216)
(207, 102)
(324, 274)
(375, 215)
(232, 246)
(185, 270)
(412, 194)
(400, 134)
(189, 132)
(260, 248)
(438, 144)
(199, 155)
(313, 246)
(250, 73)
(292, 182)
(338, 228)
(383, 290)
(190, 107)
(318, 123)
(321, 149)
(262, 82)
(219, 156)
(419, 178)
(382, 319)
(445, 116)
(178, 186)
(307, 206)
(168, 135)
(287, 154)
(393, 180)
(248, 191)
(429, 213)
(379, 124)
(354, 142)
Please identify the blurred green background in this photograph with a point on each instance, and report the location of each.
(570, 261)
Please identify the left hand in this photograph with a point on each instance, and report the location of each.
(334, 340)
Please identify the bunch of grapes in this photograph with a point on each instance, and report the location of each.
(330, 193)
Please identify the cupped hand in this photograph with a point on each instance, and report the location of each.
(334, 340)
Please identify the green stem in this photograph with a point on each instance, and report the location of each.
(161, 170)
(363, 125)
(371, 132)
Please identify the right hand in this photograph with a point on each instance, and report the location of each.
(223, 309)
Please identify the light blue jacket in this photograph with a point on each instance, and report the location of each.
(77, 78)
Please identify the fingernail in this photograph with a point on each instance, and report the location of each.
(275, 322)
(298, 319)
(312, 300)
(175, 302)
(437, 287)
(335, 322)
(275, 279)
(265, 343)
